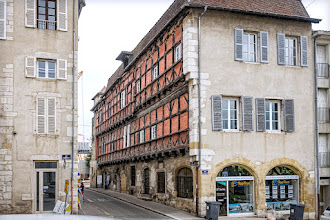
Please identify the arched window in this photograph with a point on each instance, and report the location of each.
(282, 188)
(185, 183)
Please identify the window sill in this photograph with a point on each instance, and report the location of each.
(231, 131)
(273, 132)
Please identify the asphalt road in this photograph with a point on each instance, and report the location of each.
(97, 204)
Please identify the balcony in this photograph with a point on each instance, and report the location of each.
(324, 159)
(322, 70)
(49, 25)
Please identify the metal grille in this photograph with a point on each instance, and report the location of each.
(132, 175)
(185, 183)
(161, 182)
(146, 181)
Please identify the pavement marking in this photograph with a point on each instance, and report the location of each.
(89, 200)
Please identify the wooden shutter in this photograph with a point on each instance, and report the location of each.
(30, 67)
(128, 135)
(216, 113)
(247, 103)
(41, 115)
(304, 50)
(264, 47)
(289, 115)
(62, 69)
(51, 115)
(238, 44)
(261, 114)
(281, 49)
(3, 19)
(30, 13)
(62, 16)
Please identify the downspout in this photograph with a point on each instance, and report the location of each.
(73, 96)
(199, 109)
(316, 136)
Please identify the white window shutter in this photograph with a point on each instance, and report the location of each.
(264, 47)
(51, 120)
(238, 44)
(247, 107)
(41, 116)
(30, 13)
(216, 113)
(62, 69)
(261, 114)
(289, 115)
(281, 49)
(30, 67)
(304, 50)
(62, 15)
(128, 135)
(3, 19)
(124, 137)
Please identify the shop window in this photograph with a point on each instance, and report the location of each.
(282, 188)
(185, 183)
(161, 182)
(234, 189)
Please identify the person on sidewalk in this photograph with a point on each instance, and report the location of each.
(82, 190)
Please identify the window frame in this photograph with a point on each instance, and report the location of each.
(153, 132)
(176, 52)
(46, 69)
(122, 99)
(248, 34)
(161, 182)
(155, 72)
(287, 54)
(186, 191)
(278, 102)
(47, 21)
(138, 86)
(228, 99)
(133, 177)
(46, 116)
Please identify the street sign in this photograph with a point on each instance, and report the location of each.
(192, 163)
(224, 174)
(66, 156)
(205, 172)
(66, 186)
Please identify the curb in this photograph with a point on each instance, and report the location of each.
(152, 210)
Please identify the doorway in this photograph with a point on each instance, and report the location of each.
(146, 181)
(46, 186)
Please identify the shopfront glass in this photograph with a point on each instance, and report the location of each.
(282, 189)
(234, 189)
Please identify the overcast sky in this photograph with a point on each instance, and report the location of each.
(107, 27)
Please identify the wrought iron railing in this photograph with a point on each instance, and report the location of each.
(324, 115)
(49, 25)
(324, 159)
(322, 70)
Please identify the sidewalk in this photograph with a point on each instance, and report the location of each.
(155, 207)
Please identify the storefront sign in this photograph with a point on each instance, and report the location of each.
(282, 177)
(280, 182)
(233, 178)
(240, 183)
(66, 186)
(205, 172)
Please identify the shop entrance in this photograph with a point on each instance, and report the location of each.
(234, 189)
(46, 186)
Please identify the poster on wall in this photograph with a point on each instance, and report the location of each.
(282, 188)
(290, 186)
(290, 195)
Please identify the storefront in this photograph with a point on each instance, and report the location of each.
(234, 189)
(282, 188)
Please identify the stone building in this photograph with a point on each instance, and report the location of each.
(214, 104)
(322, 39)
(36, 109)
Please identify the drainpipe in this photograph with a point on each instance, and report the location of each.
(316, 136)
(73, 96)
(199, 109)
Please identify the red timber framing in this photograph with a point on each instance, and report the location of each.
(159, 103)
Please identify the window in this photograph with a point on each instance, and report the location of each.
(291, 51)
(124, 137)
(138, 86)
(46, 14)
(178, 53)
(133, 174)
(46, 69)
(122, 99)
(109, 109)
(272, 109)
(141, 136)
(155, 72)
(230, 114)
(161, 182)
(185, 183)
(249, 47)
(128, 136)
(46, 115)
(153, 132)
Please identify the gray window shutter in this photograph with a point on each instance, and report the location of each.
(51, 116)
(41, 116)
(304, 50)
(62, 15)
(289, 115)
(281, 48)
(247, 103)
(261, 114)
(264, 47)
(3, 19)
(30, 67)
(62, 69)
(30, 13)
(216, 113)
(238, 44)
